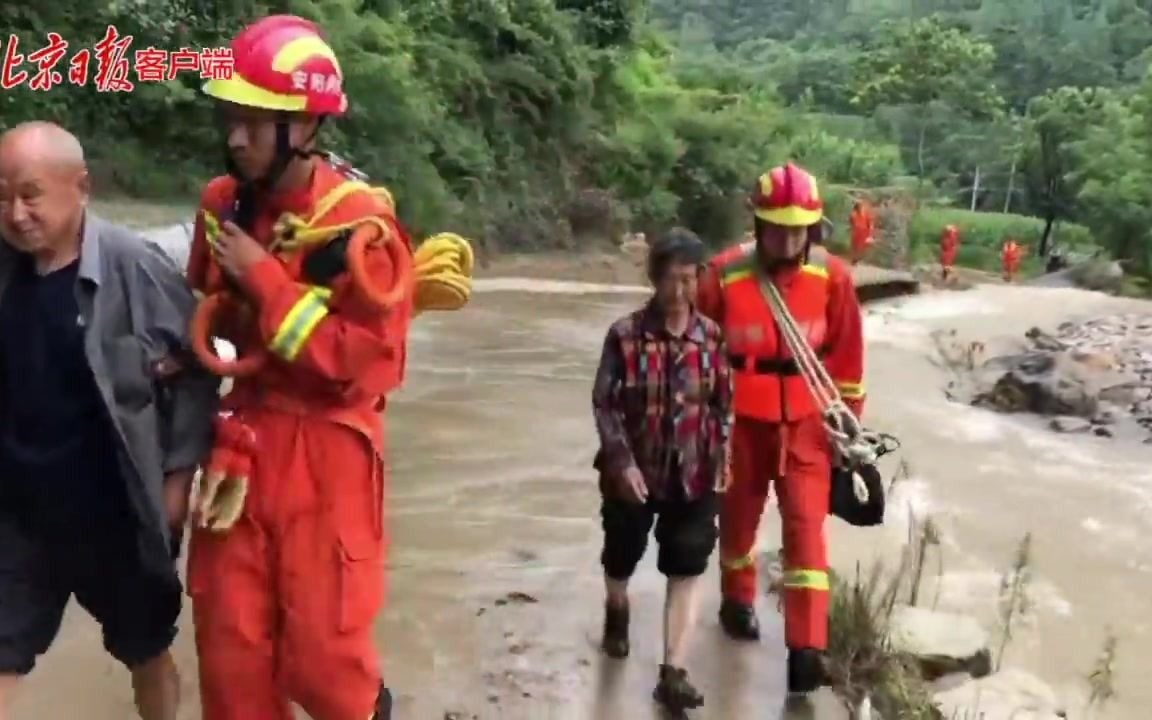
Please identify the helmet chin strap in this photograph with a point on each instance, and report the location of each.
(248, 190)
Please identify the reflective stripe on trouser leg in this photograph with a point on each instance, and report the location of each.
(850, 390)
(803, 494)
(742, 506)
(300, 322)
(806, 600)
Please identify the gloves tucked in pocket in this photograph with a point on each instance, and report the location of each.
(225, 482)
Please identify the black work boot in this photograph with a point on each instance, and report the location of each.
(806, 672)
(675, 692)
(383, 704)
(615, 643)
(739, 621)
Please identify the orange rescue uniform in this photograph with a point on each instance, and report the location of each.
(779, 435)
(863, 231)
(285, 601)
(1010, 259)
(949, 247)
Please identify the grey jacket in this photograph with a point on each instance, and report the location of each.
(136, 307)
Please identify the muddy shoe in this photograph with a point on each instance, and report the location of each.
(806, 671)
(615, 643)
(383, 705)
(674, 691)
(739, 621)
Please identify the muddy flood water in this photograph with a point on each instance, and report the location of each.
(495, 589)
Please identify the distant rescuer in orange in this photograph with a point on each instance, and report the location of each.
(1010, 255)
(863, 223)
(949, 247)
(286, 566)
(779, 436)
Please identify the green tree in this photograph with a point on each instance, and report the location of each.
(1114, 179)
(931, 66)
(1055, 122)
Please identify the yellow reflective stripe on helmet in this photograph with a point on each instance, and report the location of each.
(790, 216)
(235, 89)
(806, 580)
(296, 52)
(850, 391)
(300, 322)
(740, 563)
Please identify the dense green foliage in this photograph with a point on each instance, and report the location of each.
(532, 123)
(984, 232)
(1039, 107)
(525, 122)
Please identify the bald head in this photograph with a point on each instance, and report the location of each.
(43, 188)
(41, 142)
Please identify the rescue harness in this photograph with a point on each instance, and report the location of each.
(441, 269)
(857, 448)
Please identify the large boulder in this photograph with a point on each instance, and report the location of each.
(1100, 275)
(1051, 382)
(942, 643)
(1099, 371)
(1007, 695)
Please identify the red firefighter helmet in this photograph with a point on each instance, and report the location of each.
(788, 195)
(283, 62)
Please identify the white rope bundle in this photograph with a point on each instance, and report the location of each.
(857, 446)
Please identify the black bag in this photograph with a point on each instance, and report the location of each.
(845, 505)
(843, 502)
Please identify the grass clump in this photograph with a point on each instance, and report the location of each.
(1102, 679)
(1014, 600)
(867, 672)
(862, 664)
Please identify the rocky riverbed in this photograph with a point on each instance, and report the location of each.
(1091, 376)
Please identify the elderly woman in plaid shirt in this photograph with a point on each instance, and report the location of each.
(663, 407)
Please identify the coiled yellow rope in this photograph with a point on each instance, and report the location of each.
(443, 266)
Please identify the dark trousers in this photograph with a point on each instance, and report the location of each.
(40, 572)
(685, 533)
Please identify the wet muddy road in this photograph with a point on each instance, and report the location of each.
(495, 585)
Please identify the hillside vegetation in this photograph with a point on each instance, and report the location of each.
(539, 124)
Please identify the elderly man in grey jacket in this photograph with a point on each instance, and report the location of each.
(103, 422)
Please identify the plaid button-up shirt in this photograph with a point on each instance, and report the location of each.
(663, 403)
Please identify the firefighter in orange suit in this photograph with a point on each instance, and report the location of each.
(863, 224)
(1010, 256)
(779, 436)
(307, 272)
(949, 247)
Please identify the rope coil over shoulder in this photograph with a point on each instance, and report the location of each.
(292, 234)
(857, 447)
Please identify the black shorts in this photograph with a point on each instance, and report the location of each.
(137, 610)
(685, 533)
